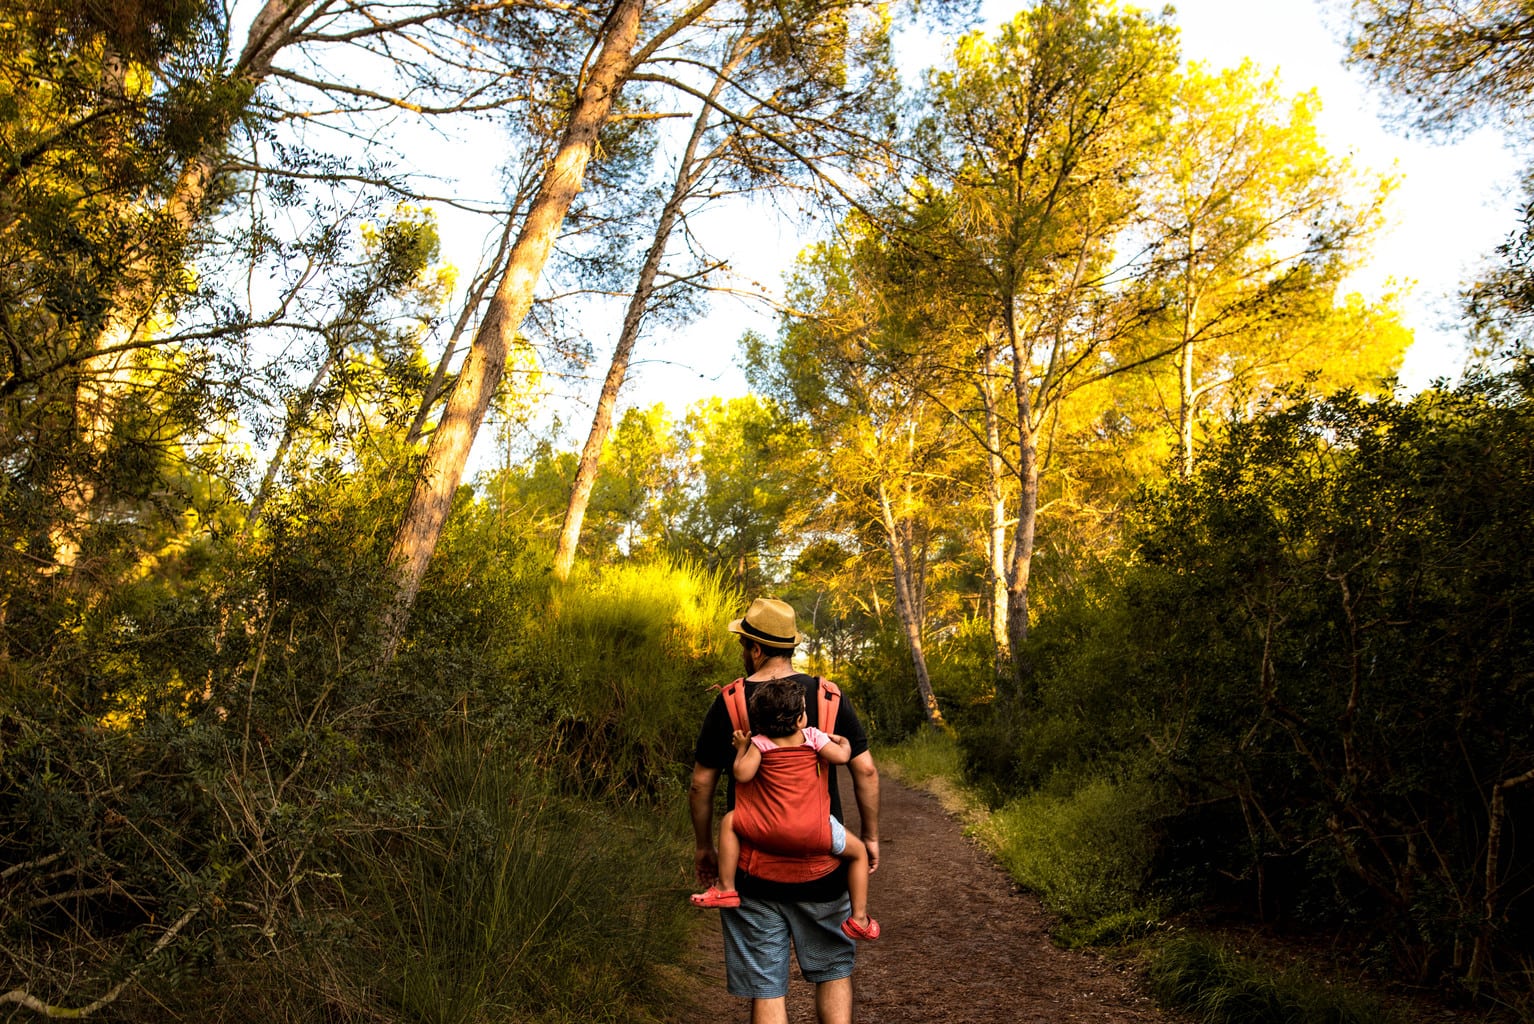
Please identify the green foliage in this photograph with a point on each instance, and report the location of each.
(1215, 984)
(502, 898)
(620, 668)
(881, 683)
(1318, 659)
(1088, 851)
(216, 740)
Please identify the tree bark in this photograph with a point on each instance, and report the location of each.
(1185, 368)
(687, 174)
(442, 471)
(1020, 565)
(996, 560)
(906, 610)
(106, 373)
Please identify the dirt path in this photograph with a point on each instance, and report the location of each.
(960, 944)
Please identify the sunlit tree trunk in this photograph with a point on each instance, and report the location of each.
(1185, 367)
(1020, 564)
(688, 171)
(995, 470)
(906, 608)
(105, 375)
(442, 470)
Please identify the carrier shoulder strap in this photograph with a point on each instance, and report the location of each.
(735, 703)
(830, 698)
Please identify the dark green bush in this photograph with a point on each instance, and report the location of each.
(881, 683)
(1215, 984)
(1319, 653)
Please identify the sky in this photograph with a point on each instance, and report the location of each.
(1454, 204)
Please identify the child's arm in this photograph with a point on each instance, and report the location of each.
(747, 758)
(838, 750)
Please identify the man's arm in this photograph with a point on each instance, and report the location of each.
(700, 802)
(865, 786)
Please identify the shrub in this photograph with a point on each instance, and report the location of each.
(620, 671)
(1216, 985)
(1087, 852)
(505, 899)
(881, 683)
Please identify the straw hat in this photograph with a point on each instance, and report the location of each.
(769, 622)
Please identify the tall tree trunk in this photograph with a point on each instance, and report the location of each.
(106, 373)
(688, 170)
(471, 304)
(442, 470)
(1020, 565)
(1185, 368)
(906, 610)
(995, 466)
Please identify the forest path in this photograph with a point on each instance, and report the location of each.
(960, 944)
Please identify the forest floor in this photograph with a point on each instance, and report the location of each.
(961, 944)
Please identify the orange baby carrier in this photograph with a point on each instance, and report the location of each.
(784, 828)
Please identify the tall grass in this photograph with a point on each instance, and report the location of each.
(510, 902)
(625, 660)
(1215, 984)
(1088, 853)
(928, 756)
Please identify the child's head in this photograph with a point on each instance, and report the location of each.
(776, 706)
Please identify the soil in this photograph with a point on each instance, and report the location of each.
(960, 943)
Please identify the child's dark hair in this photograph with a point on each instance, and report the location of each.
(776, 706)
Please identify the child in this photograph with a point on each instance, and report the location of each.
(778, 769)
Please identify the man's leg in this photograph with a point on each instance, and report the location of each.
(833, 1002)
(756, 952)
(826, 955)
(771, 1011)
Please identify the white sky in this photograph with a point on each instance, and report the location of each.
(1453, 205)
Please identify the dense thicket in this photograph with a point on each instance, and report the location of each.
(244, 763)
(1313, 667)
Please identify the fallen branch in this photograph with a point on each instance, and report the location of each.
(24, 998)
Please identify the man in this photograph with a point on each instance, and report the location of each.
(771, 912)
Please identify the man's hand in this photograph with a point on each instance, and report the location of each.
(873, 854)
(706, 863)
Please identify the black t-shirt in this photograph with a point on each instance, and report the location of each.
(715, 749)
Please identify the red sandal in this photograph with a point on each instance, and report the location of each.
(867, 932)
(715, 898)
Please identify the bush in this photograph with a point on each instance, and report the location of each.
(1319, 650)
(881, 683)
(1087, 852)
(620, 672)
(505, 899)
(1216, 985)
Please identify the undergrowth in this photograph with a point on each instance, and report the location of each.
(1084, 851)
(508, 899)
(1215, 984)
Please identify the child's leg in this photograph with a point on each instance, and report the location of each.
(856, 856)
(729, 852)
